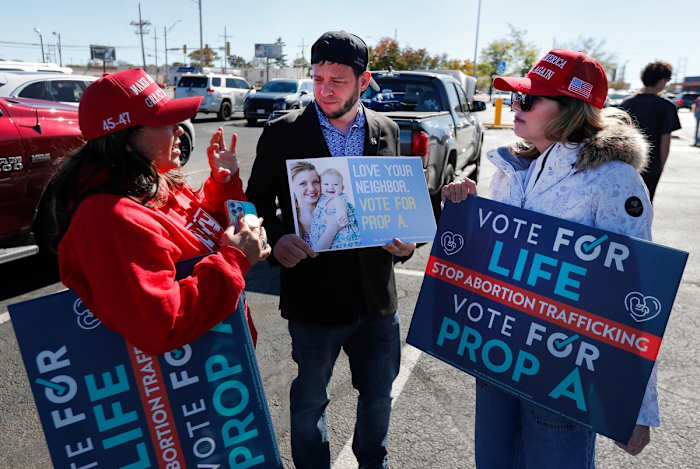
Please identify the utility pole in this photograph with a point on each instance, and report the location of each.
(60, 52)
(227, 51)
(201, 40)
(143, 28)
(476, 40)
(165, 38)
(302, 46)
(155, 40)
(41, 40)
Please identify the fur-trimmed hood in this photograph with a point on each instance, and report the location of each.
(618, 141)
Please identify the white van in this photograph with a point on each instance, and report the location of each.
(223, 94)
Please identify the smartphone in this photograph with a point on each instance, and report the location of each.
(237, 209)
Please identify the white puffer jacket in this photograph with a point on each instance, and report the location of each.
(596, 183)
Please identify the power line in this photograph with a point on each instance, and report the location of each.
(71, 46)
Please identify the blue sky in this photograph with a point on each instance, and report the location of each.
(636, 31)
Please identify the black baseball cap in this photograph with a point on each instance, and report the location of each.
(342, 48)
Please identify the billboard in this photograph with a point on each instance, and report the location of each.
(270, 51)
(106, 53)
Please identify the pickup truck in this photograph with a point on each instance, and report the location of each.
(35, 136)
(436, 122)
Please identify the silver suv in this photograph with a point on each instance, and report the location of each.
(223, 94)
(60, 87)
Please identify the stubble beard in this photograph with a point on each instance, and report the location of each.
(347, 106)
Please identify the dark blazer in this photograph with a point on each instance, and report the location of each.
(336, 287)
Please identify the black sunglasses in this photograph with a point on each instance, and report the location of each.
(526, 101)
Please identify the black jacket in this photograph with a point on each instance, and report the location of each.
(336, 287)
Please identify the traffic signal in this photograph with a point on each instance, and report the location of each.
(228, 49)
(184, 48)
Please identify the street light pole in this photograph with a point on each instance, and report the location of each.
(201, 39)
(165, 37)
(476, 41)
(60, 53)
(41, 41)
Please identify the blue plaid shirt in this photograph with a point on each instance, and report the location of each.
(352, 144)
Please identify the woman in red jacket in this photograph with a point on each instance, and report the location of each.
(125, 216)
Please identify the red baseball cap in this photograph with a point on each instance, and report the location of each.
(562, 73)
(124, 99)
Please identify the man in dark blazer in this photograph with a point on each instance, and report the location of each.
(336, 299)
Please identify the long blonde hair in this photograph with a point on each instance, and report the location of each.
(300, 167)
(576, 122)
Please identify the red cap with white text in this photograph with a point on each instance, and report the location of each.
(562, 73)
(124, 99)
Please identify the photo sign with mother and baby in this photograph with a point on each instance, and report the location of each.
(563, 315)
(352, 202)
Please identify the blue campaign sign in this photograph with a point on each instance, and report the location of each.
(563, 315)
(352, 202)
(103, 402)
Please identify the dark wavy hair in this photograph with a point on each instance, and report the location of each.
(655, 71)
(106, 165)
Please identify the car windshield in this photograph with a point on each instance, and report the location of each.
(279, 87)
(193, 82)
(403, 94)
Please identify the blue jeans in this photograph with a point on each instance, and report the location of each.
(374, 349)
(513, 434)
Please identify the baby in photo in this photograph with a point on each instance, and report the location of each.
(334, 210)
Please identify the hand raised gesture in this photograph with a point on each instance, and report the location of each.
(222, 161)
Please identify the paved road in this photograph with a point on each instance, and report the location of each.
(432, 423)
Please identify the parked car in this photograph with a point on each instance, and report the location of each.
(615, 98)
(64, 88)
(187, 140)
(437, 123)
(68, 89)
(223, 94)
(18, 66)
(685, 99)
(281, 94)
(35, 136)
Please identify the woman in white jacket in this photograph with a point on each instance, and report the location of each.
(576, 164)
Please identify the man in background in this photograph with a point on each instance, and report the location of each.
(657, 117)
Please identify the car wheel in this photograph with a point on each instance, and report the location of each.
(225, 111)
(251, 120)
(185, 147)
(44, 231)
